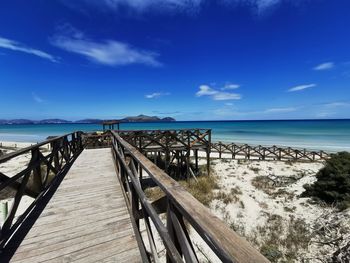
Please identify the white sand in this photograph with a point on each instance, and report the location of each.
(11, 168)
(255, 206)
(15, 144)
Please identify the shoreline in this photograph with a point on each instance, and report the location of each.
(327, 135)
(327, 149)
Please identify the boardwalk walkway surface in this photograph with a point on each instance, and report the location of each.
(86, 220)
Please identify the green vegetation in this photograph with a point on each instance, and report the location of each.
(333, 182)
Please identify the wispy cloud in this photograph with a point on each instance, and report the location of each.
(330, 109)
(301, 87)
(139, 5)
(230, 86)
(189, 6)
(337, 104)
(16, 46)
(37, 99)
(259, 6)
(324, 66)
(280, 110)
(156, 95)
(106, 52)
(206, 90)
(228, 110)
(166, 112)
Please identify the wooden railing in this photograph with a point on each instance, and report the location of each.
(148, 140)
(181, 212)
(267, 153)
(48, 161)
(174, 145)
(96, 140)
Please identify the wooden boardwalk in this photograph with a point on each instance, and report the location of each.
(86, 220)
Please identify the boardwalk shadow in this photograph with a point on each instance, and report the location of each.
(10, 248)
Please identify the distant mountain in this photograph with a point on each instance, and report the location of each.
(17, 121)
(89, 121)
(145, 118)
(140, 118)
(53, 121)
(25, 121)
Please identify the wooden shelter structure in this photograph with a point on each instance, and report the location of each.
(175, 151)
(109, 124)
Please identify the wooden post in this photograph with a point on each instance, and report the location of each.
(56, 159)
(4, 210)
(178, 163)
(37, 180)
(188, 155)
(172, 232)
(155, 158)
(167, 154)
(208, 153)
(196, 160)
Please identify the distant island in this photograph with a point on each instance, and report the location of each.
(139, 118)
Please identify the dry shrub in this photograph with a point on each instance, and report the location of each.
(202, 189)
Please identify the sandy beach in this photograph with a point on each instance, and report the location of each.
(11, 168)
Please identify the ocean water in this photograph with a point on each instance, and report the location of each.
(329, 135)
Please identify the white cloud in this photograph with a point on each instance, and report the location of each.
(205, 90)
(280, 110)
(301, 87)
(226, 96)
(137, 5)
(156, 95)
(16, 46)
(324, 66)
(190, 6)
(107, 52)
(257, 5)
(337, 104)
(36, 98)
(230, 86)
(142, 5)
(324, 114)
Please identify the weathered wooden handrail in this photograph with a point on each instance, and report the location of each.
(175, 146)
(267, 152)
(37, 176)
(180, 207)
(96, 140)
(146, 140)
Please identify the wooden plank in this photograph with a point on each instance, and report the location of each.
(86, 220)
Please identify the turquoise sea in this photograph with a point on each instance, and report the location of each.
(330, 135)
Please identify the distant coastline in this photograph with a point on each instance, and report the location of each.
(139, 118)
(153, 119)
(329, 135)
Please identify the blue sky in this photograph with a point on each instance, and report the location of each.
(190, 59)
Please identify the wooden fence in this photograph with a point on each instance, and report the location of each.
(267, 153)
(48, 161)
(173, 147)
(150, 140)
(181, 210)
